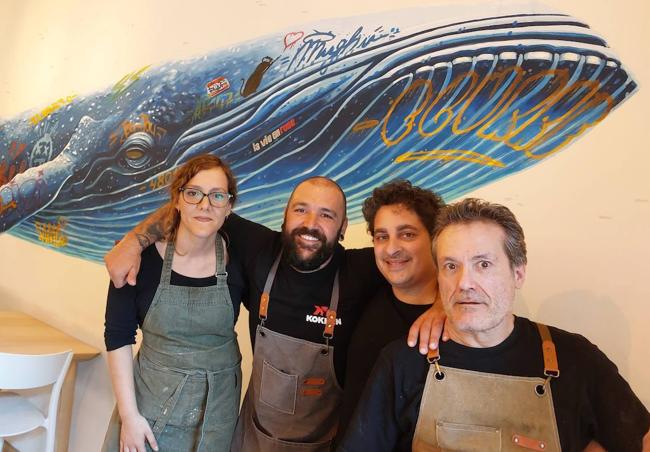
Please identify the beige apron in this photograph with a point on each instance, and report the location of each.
(468, 411)
(187, 374)
(292, 399)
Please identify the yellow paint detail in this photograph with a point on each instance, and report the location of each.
(363, 125)
(449, 155)
(52, 233)
(134, 154)
(44, 113)
(539, 117)
(128, 80)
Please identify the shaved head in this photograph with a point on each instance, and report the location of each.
(323, 182)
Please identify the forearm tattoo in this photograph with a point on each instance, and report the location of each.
(151, 234)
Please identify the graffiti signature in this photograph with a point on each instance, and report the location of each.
(205, 106)
(322, 46)
(526, 130)
(129, 127)
(162, 180)
(52, 233)
(38, 117)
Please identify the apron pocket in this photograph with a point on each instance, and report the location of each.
(467, 437)
(278, 389)
(154, 388)
(265, 443)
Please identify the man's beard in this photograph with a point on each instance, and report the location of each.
(317, 258)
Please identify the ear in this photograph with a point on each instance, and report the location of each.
(344, 227)
(520, 276)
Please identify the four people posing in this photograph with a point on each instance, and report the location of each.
(306, 295)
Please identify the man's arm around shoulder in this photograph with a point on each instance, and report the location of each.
(123, 261)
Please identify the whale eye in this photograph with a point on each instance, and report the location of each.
(135, 149)
(134, 154)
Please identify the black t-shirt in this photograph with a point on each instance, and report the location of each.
(299, 301)
(127, 306)
(384, 320)
(591, 399)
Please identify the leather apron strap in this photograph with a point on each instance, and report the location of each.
(457, 408)
(551, 368)
(330, 321)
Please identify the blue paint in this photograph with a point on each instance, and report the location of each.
(358, 100)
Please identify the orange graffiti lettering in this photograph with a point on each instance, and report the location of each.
(128, 128)
(538, 120)
(51, 233)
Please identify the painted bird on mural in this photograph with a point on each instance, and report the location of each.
(451, 98)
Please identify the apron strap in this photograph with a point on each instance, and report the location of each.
(433, 356)
(551, 368)
(169, 406)
(220, 249)
(206, 411)
(264, 298)
(330, 321)
(166, 275)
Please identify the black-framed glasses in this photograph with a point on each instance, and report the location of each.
(215, 198)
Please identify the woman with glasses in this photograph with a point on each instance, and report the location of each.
(182, 391)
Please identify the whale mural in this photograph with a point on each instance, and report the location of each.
(450, 98)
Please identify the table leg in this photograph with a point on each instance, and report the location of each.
(64, 416)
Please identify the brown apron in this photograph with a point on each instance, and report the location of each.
(469, 411)
(292, 399)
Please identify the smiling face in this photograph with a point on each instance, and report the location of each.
(477, 283)
(313, 221)
(202, 220)
(402, 248)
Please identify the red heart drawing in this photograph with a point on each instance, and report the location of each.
(291, 38)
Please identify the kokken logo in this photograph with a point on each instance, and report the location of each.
(320, 315)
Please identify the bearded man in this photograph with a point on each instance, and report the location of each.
(305, 295)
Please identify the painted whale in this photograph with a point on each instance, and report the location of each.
(450, 98)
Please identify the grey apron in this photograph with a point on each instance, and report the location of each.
(468, 411)
(293, 396)
(187, 374)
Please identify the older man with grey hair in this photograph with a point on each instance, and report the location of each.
(503, 382)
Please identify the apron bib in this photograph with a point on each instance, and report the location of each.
(187, 374)
(469, 411)
(293, 396)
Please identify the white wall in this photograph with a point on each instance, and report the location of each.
(586, 212)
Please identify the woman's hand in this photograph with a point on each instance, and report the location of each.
(135, 430)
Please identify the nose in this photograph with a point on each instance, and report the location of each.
(309, 220)
(204, 203)
(465, 278)
(393, 246)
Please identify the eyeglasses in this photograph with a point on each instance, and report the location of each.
(215, 198)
